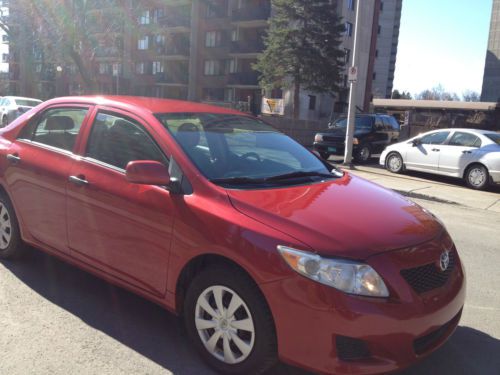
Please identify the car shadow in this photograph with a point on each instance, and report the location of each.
(131, 320)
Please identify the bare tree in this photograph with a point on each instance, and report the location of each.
(471, 96)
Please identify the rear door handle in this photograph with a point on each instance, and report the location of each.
(78, 180)
(436, 149)
(13, 158)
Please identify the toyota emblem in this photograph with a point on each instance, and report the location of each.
(444, 260)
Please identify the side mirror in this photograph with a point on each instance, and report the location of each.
(147, 172)
(415, 142)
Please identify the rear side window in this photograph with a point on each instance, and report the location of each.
(58, 127)
(116, 141)
(434, 138)
(465, 139)
(27, 102)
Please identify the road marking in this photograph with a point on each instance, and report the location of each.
(483, 307)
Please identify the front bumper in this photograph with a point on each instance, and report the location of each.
(397, 331)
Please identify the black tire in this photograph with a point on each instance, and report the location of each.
(363, 153)
(263, 353)
(324, 155)
(394, 163)
(477, 177)
(10, 247)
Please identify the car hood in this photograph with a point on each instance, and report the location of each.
(340, 132)
(349, 217)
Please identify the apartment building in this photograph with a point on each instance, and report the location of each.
(386, 47)
(491, 78)
(201, 50)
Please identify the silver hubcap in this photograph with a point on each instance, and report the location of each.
(364, 153)
(225, 324)
(477, 176)
(5, 227)
(394, 163)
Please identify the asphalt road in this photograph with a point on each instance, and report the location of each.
(58, 320)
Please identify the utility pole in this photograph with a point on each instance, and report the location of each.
(351, 113)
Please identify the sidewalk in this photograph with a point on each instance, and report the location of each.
(435, 188)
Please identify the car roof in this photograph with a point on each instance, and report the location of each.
(153, 105)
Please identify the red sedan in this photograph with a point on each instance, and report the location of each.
(265, 250)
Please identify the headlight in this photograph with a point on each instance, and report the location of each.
(355, 141)
(318, 138)
(347, 276)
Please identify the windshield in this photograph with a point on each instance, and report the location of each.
(361, 123)
(236, 150)
(27, 103)
(495, 137)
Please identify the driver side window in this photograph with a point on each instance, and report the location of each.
(434, 138)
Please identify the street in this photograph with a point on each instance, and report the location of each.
(56, 319)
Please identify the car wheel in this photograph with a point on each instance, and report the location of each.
(394, 163)
(11, 245)
(229, 322)
(477, 177)
(324, 155)
(363, 153)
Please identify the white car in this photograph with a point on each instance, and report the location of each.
(471, 154)
(12, 107)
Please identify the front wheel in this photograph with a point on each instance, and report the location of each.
(477, 177)
(394, 163)
(228, 321)
(11, 245)
(363, 153)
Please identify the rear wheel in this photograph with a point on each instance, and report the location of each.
(477, 177)
(363, 153)
(228, 321)
(11, 245)
(394, 163)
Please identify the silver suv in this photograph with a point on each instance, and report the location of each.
(12, 107)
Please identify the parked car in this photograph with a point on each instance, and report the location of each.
(373, 132)
(12, 107)
(266, 250)
(471, 154)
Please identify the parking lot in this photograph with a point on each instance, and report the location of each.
(56, 319)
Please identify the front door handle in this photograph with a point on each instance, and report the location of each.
(436, 149)
(13, 158)
(78, 180)
(466, 152)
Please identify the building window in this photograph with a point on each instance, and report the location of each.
(345, 80)
(216, 9)
(143, 43)
(379, 29)
(374, 76)
(312, 102)
(212, 68)
(381, 6)
(376, 53)
(230, 66)
(229, 95)
(213, 39)
(5, 38)
(140, 68)
(104, 68)
(350, 4)
(158, 67)
(347, 55)
(5, 57)
(216, 94)
(348, 29)
(234, 35)
(158, 15)
(144, 18)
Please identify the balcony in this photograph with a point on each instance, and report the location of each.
(171, 79)
(177, 51)
(246, 47)
(244, 79)
(254, 16)
(107, 53)
(176, 23)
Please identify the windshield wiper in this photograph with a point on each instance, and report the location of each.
(298, 174)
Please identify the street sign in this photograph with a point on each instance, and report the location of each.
(273, 106)
(353, 74)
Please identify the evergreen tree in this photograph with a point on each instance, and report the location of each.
(303, 45)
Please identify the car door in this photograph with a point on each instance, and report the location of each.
(379, 136)
(459, 151)
(124, 229)
(424, 154)
(39, 164)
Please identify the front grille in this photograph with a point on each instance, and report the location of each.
(428, 277)
(427, 342)
(350, 349)
(338, 140)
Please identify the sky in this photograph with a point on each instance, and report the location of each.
(442, 42)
